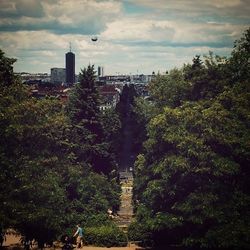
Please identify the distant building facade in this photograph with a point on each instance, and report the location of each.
(57, 75)
(124, 79)
(110, 96)
(70, 67)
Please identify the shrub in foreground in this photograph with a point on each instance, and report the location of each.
(105, 236)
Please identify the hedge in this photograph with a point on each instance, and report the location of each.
(105, 236)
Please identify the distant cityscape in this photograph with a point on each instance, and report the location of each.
(66, 76)
(60, 81)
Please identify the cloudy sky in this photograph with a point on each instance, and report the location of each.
(134, 36)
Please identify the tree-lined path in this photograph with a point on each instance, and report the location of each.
(125, 213)
(127, 157)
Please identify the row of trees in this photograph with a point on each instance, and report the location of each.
(126, 151)
(56, 166)
(191, 182)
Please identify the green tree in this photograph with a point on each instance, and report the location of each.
(192, 179)
(142, 111)
(83, 106)
(112, 127)
(6, 70)
(170, 89)
(45, 190)
(85, 116)
(206, 78)
(31, 189)
(238, 63)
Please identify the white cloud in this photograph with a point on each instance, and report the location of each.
(34, 40)
(167, 35)
(62, 16)
(206, 32)
(134, 29)
(83, 12)
(197, 7)
(223, 3)
(48, 53)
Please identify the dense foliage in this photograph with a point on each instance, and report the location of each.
(192, 179)
(51, 176)
(191, 183)
(84, 113)
(105, 236)
(126, 152)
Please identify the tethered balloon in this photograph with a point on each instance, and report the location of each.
(94, 39)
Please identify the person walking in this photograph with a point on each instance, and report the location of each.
(79, 234)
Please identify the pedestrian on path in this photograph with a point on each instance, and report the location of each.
(79, 234)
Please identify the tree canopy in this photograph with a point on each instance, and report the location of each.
(48, 181)
(191, 180)
(86, 118)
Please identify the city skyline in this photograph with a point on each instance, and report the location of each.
(133, 36)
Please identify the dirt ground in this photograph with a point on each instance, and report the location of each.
(11, 239)
(14, 241)
(111, 248)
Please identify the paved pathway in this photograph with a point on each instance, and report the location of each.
(125, 214)
(126, 163)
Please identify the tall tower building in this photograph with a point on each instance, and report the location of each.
(70, 67)
(100, 71)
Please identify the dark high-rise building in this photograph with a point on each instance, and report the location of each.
(100, 71)
(70, 68)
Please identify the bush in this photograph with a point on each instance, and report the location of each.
(97, 220)
(105, 236)
(141, 233)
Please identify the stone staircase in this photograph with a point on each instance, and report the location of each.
(125, 214)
